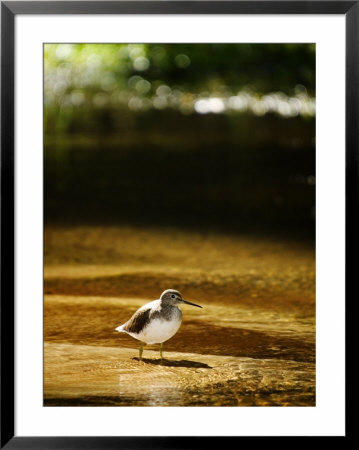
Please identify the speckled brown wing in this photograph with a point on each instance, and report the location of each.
(138, 321)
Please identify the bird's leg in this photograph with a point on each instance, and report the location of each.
(141, 350)
(161, 347)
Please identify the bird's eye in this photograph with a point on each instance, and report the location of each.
(173, 296)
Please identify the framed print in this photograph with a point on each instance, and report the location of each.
(179, 186)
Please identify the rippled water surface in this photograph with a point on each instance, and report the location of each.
(253, 343)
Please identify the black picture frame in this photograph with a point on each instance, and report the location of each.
(9, 10)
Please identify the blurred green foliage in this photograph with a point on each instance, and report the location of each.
(202, 78)
(193, 68)
(214, 135)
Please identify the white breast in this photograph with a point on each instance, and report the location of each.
(158, 330)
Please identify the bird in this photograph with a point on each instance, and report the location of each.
(156, 321)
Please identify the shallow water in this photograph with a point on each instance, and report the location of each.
(253, 343)
(218, 330)
(78, 375)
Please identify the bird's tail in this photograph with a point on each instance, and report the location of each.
(120, 329)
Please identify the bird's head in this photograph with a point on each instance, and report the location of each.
(173, 297)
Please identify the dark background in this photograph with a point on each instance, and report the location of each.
(124, 143)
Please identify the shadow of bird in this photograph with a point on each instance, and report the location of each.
(173, 363)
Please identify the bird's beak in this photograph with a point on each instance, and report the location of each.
(189, 303)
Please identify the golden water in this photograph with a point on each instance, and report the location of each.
(253, 343)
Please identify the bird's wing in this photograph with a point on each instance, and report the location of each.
(138, 321)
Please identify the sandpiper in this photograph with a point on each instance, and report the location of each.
(157, 321)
